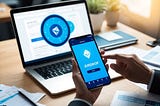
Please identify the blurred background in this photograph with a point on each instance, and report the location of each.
(143, 15)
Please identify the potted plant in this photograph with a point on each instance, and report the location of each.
(112, 12)
(97, 13)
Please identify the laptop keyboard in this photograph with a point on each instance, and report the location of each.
(55, 70)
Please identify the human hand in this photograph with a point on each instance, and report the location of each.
(130, 67)
(104, 59)
(82, 91)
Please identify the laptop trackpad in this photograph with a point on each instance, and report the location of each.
(60, 84)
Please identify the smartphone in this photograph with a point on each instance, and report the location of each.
(89, 60)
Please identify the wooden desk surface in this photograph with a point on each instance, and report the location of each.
(12, 73)
(4, 12)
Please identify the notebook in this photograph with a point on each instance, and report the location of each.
(42, 34)
(114, 39)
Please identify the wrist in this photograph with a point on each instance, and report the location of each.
(148, 77)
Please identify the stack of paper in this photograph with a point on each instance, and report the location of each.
(10, 96)
(140, 53)
(123, 98)
(152, 57)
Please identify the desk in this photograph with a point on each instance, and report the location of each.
(4, 12)
(12, 73)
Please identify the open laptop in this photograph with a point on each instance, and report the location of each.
(42, 34)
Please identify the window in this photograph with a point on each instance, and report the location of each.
(142, 15)
(141, 7)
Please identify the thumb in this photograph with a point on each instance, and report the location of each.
(74, 67)
(116, 68)
(78, 81)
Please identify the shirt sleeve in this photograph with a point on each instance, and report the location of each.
(79, 102)
(151, 80)
(154, 87)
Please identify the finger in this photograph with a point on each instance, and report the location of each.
(116, 68)
(75, 67)
(105, 60)
(102, 52)
(120, 57)
(78, 81)
(107, 66)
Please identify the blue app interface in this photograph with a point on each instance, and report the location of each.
(90, 63)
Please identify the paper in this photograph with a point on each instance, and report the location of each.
(128, 50)
(10, 96)
(122, 98)
(3, 87)
(33, 96)
(143, 86)
(17, 100)
(153, 56)
(113, 74)
(110, 36)
(132, 50)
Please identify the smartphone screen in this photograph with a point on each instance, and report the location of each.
(89, 61)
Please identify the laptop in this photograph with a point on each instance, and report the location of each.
(42, 34)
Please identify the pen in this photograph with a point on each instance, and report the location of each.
(32, 102)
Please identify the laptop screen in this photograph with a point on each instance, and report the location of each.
(43, 31)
